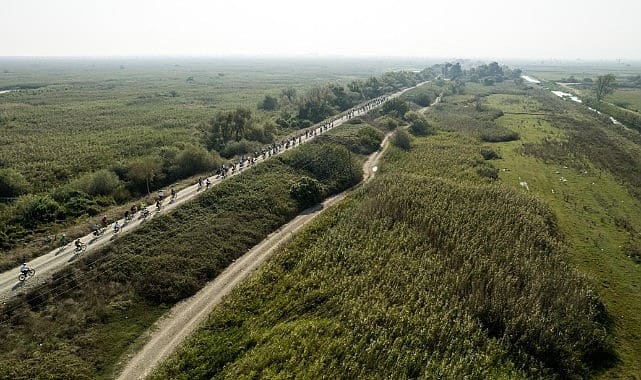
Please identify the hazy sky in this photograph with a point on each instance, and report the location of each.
(564, 29)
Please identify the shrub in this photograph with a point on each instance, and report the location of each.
(269, 103)
(396, 107)
(488, 171)
(238, 148)
(419, 126)
(12, 183)
(193, 160)
(306, 192)
(369, 139)
(331, 164)
(498, 134)
(32, 210)
(402, 140)
(489, 154)
(102, 182)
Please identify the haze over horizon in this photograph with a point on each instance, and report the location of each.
(500, 29)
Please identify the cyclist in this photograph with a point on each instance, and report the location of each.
(173, 193)
(78, 243)
(161, 194)
(63, 239)
(200, 183)
(23, 268)
(127, 218)
(116, 227)
(104, 221)
(207, 183)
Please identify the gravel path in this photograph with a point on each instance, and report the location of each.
(187, 315)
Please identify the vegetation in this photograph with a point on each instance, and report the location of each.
(604, 86)
(422, 274)
(79, 324)
(100, 138)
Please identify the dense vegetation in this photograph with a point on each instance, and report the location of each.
(430, 273)
(80, 323)
(75, 149)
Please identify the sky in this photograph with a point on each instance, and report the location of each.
(542, 29)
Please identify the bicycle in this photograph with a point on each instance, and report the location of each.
(26, 274)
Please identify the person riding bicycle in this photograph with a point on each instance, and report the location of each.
(78, 243)
(116, 227)
(207, 183)
(173, 193)
(127, 215)
(104, 221)
(23, 268)
(200, 182)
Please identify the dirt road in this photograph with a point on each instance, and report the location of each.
(53, 261)
(187, 315)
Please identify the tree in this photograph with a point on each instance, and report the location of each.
(604, 86)
(269, 103)
(144, 170)
(396, 107)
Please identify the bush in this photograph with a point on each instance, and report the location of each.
(102, 182)
(331, 164)
(33, 210)
(193, 160)
(419, 126)
(12, 183)
(402, 140)
(488, 171)
(369, 139)
(498, 134)
(306, 192)
(489, 154)
(396, 107)
(269, 103)
(238, 148)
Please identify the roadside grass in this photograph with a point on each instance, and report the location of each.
(420, 274)
(93, 311)
(357, 293)
(598, 216)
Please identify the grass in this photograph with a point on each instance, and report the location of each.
(627, 98)
(80, 323)
(368, 290)
(397, 282)
(594, 200)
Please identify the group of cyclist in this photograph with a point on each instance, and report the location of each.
(223, 171)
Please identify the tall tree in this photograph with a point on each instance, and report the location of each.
(604, 86)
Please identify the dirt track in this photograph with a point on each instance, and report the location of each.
(187, 315)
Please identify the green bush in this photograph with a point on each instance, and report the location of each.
(33, 210)
(402, 140)
(307, 192)
(193, 160)
(498, 134)
(331, 164)
(12, 183)
(103, 182)
(238, 148)
(419, 126)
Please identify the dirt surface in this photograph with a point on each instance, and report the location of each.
(53, 261)
(187, 315)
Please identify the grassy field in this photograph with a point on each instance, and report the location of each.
(369, 290)
(92, 312)
(81, 137)
(627, 98)
(596, 200)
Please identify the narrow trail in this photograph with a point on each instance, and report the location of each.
(167, 334)
(58, 258)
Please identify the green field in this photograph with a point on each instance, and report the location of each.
(627, 98)
(371, 288)
(502, 241)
